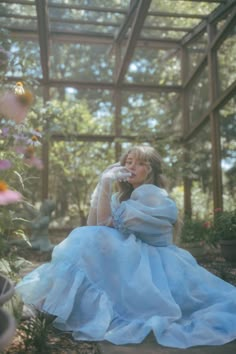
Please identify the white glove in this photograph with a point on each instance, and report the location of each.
(116, 172)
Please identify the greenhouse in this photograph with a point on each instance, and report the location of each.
(93, 78)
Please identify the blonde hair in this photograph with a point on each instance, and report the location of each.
(155, 176)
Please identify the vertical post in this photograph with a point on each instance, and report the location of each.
(45, 153)
(117, 103)
(214, 122)
(185, 128)
(117, 100)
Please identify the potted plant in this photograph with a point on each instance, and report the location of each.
(193, 236)
(7, 328)
(6, 289)
(7, 322)
(224, 232)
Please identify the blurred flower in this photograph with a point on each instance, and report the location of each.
(12, 108)
(8, 196)
(218, 210)
(36, 132)
(26, 98)
(34, 141)
(19, 89)
(32, 160)
(4, 132)
(5, 164)
(207, 225)
(14, 105)
(20, 138)
(29, 152)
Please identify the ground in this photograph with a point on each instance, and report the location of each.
(49, 340)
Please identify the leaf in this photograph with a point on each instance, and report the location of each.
(20, 179)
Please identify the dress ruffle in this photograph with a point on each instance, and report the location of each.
(104, 285)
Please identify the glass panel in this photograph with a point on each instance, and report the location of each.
(157, 26)
(24, 59)
(154, 66)
(222, 21)
(18, 9)
(18, 23)
(116, 4)
(162, 33)
(228, 153)
(71, 20)
(226, 55)
(148, 114)
(201, 8)
(75, 168)
(85, 15)
(81, 61)
(198, 98)
(79, 28)
(199, 171)
(83, 111)
(196, 51)
(152, 20)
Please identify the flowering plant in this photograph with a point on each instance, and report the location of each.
(194, 230)
(18, 143)
(223, 226)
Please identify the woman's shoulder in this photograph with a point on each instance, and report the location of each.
(151, 196)
(147, 189)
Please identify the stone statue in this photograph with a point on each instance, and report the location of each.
(39, 225)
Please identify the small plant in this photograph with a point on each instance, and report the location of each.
(35, 334)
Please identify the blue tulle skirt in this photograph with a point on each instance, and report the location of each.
(103, 285)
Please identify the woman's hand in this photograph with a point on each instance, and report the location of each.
(116, 172)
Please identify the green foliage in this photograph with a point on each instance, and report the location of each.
(35, 334)
(224, 226)
(194, 230)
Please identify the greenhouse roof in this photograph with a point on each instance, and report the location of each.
(116, 31)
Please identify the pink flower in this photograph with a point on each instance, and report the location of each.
(12, 108)
(8, 196)
(218, 210)
(34, 162)
(207, 225)
(5, 164)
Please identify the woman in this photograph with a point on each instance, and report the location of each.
(121, 277)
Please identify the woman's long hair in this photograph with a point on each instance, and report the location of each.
(155, 176)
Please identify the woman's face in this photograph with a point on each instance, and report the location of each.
(139, 169)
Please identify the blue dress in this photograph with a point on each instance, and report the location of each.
(119, 284)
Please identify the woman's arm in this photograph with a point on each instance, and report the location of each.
(100, 212)
(104, 216)
(92, 217)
